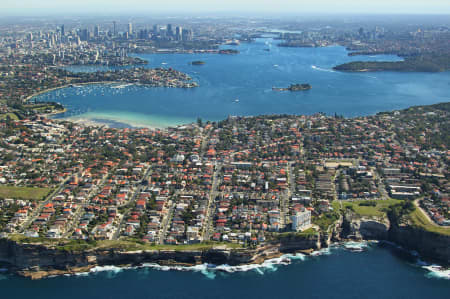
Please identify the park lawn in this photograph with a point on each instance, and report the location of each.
(375, 211)
(326, 219)
(126, 244)
(11, 115)
(133, 245)
(310, 232)
(422, 221)
(28, 193)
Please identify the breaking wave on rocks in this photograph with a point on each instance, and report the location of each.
(436, 271)
(211, 271)
(433, 270)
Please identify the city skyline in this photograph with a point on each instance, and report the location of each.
(102, 7)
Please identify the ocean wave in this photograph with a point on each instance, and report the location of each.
(323, 251)
(356, 246)
(211, 271)
(436, 271)
(114, 269)
(322, 69)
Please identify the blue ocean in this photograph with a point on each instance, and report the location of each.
(377, 272)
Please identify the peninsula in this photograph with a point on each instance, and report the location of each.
(18, 97)
(213, 193)
(425, 63)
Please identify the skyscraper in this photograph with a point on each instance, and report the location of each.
(114, 28)
(84, 35)
(97, 31)
(178, 33)
(169, 30)
(130, 28)
(62, 30)
(187, 35)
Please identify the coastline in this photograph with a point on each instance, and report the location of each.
(37, 260)
(102, 120)
(267, 260)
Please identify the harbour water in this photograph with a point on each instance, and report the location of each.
(242, 85)
(379, 271)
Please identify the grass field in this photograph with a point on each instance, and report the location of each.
(377, 210)
(11, 115)
(325, 220)
(126, 245)
(24, 192)
(422, 221)
(134, 245)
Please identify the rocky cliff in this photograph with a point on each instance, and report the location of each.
(429, 245)
(363, 228)
(37, 261)
(432, 246)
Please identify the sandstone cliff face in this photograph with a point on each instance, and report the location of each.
(294, 243)
(36, 258)
(38, 261)
(429, 245)
(364, 228)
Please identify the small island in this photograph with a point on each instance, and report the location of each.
(197, 62)
(294, 87)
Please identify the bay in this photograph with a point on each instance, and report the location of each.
(242, 85)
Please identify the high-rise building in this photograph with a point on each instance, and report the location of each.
(156, 29)
(169, 30)
(84, 35)
(97, 31)
(114, 28)
(301, 220)
(130, 29)
(63, 33)
(178, 33)
(143, 34)
(187, 35)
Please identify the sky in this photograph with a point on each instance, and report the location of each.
(102, 7)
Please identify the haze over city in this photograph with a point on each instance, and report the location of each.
(102, 7)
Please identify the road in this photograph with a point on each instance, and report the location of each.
(206, 229)
(131, 202)
(166, 222)
(37, 211)
(286, 195)
(79, 211)
(416, 203)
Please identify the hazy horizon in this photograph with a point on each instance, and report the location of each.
(266, 7)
